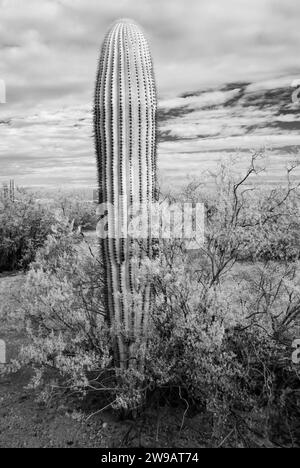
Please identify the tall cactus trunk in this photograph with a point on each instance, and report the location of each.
(125, 135)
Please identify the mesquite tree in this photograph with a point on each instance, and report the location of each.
(125, 135)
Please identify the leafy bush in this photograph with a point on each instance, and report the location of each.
(26, 221)
(76, 207)
(62, 301)
(244, 220)
(24, 226)
(226, 346)
(219, 338)
(224, 349)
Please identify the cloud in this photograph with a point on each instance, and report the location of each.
(197, 43)
(55, 147)
(49, 52)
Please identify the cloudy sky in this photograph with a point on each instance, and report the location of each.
(48, 59)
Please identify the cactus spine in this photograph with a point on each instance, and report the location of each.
(125, 136)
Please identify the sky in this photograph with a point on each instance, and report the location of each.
(48, 59)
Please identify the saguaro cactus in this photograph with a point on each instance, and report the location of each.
(125, 135)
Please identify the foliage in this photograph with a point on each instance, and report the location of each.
(244, 220)
(24, 226)
(76, 207)
(26, 221)
(220, 334)
(226, 346)
(62, 301)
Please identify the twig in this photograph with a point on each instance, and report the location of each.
(99, 411)
(186, 410)
(227, 437)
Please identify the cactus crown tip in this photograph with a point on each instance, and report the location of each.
(125, 21)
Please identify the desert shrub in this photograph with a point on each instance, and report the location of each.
(77, 208)
(245, 221)
(223, 348)
(27, 219)
(62, 303)
(226, 346)
(24, 226)
(11, 311)
(219, 336)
